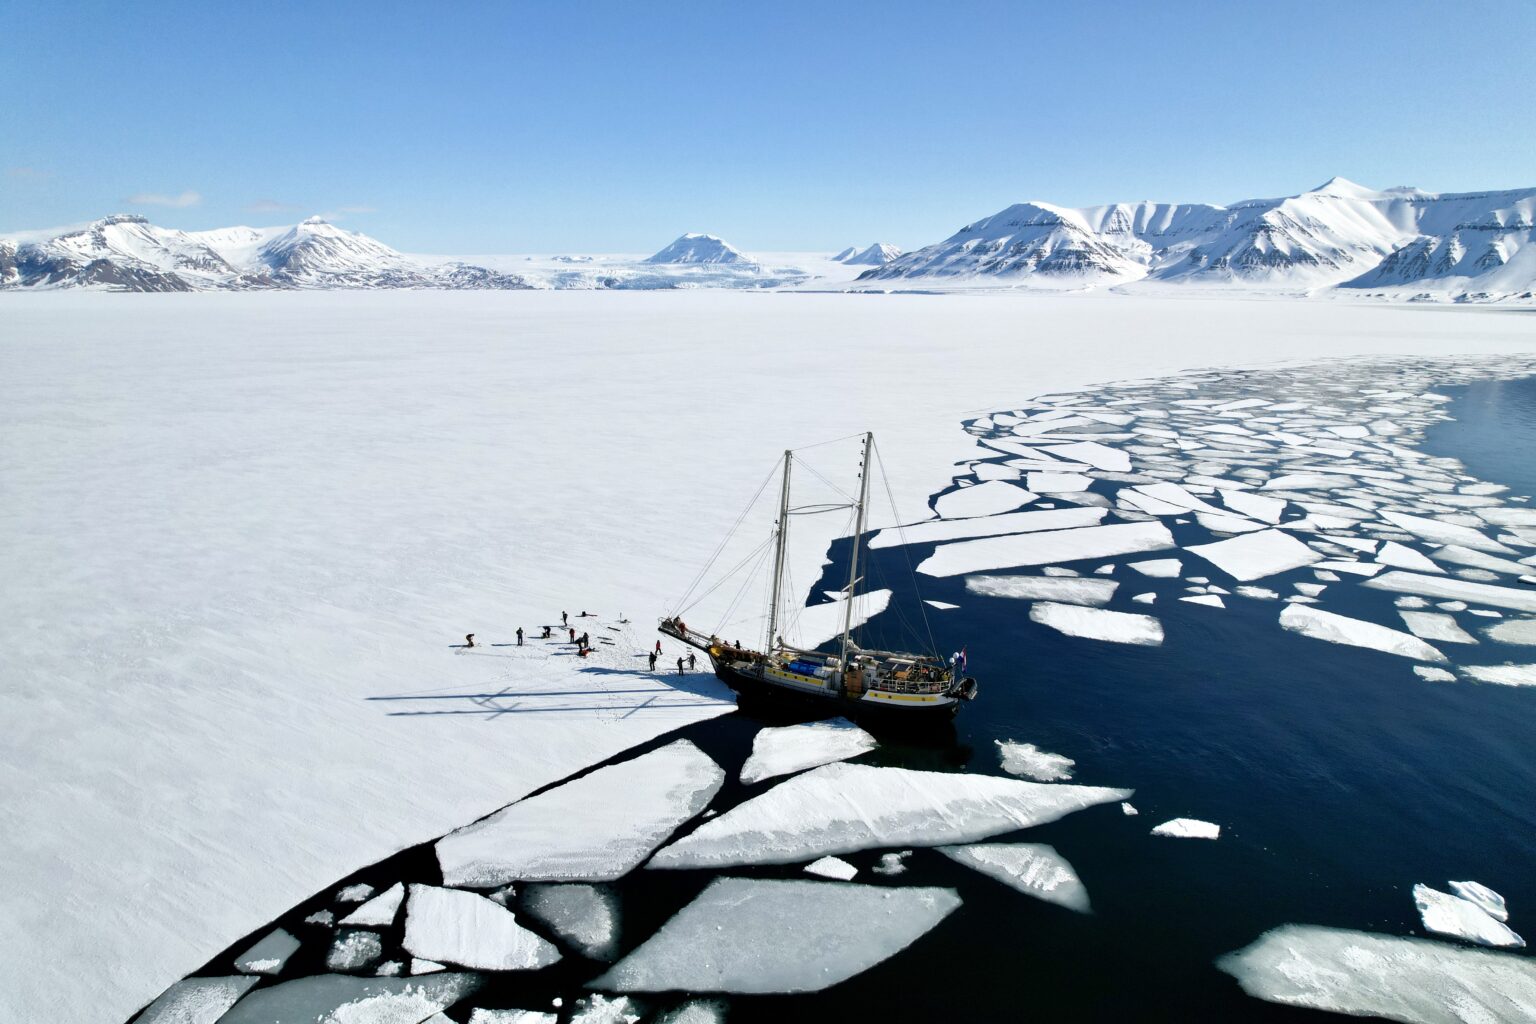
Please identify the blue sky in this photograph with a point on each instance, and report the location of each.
(594, 126)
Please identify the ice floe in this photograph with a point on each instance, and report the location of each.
(586, 917)
(1515, 631)
(1042, 548)
(1433, 675)
(892, 863)
(1259, 593)
(792, 748)
(1188, 828)
(777, 936)
(600, 1009)
(456, 927)
(1031, 868)
(1436, 626)
(1091, 453)
(354, 893)
(1028, 759)
(1446, 914)
(345, 999)
(354, 950)
(1098, 623)
(1256, 555)
(696, 1011)
(378, 912)
(1489, 901)
(831, 867)
(269, 954)
(1072, 590)
(1440, 586)
(1341, 629)
(985, 499)
(1055, 483)
(1258, 506)
(483, 1016)
(596, 828)
(1441, 532)
(935, 530)
(844, 808)
(1209, 600)
(1129, 809)
(196, 1001)
(1504, 675)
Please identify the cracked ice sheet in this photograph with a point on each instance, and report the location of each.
(792, 748)
(844, 808)
(1341, 629)
(1455, 590)
(811, 627)
(1405, 979)
(1254, 556)
(1504, 675)
(586, 916)
(451, 926)
(751, 935)
(595, 828)
(1452, 915)
(1098, 623)
(1069, 589)
(1034, 869)
(196, 1001)
(984, 499)
(341, 999)
(1028, 759)
(986, 526)
(1044, 548)
(1436, 626)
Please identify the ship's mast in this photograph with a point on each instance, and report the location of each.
(780, 540)
(858, 540)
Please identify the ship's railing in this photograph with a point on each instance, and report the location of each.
(890, 684)
(678, 630)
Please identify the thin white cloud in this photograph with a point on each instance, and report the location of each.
(269, 206)
(187, 198)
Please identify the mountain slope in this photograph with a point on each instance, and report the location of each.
(1340, 234)
(700, 248)
(877, 255)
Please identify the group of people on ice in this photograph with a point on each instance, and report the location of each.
(583, 643)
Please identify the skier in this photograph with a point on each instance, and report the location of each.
(653, 661)
(679, 666)
(469, 639)
(519, 636)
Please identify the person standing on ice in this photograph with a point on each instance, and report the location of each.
(679, 666)
(653, 661)
(658, 648)
(519, 636)
(693, 659)
(570, 630)
(565, 620)
(469, 639)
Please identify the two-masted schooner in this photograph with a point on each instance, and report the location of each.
(893, 686)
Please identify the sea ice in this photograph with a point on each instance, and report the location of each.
(892, 863)
(1441, 532)
(1227, 524)
(1458, 554)
(695, 1011)
(594, 829)
(1352, 568)
(269, 954)
(1041, 548)
(1430, 674)
(1129, 810)
(1259, 593)
(1515, 631)
(345, 999)
(465, 928)
(1340, 629)
(378, 912)
(1504, 675)
(354, 951)
(1098, 623)
(1508, 516)
(196, 1001)
(1178, 497)
(600, 1009)
(1091, 453)
(1258, 506)
(1209, 600)
(984, 499)
(420, 966)
(943, 606)
(1401, 556)
(1057, 483)
(1451, 915)
(1032, 868)
(1310, 589)
(1257, 555)
(1028, 759)
(584, 916)
(843, 808)
(354, 893)
(1072, 590)
(987, 526)
(481, 1015)
(831, 867)
(1188, 828)
(1439, 586)
(1436, 626)
(1490, 902)
(792, 748)
(767, 935)
(1146, 598)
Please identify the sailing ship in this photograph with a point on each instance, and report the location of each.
(892, 686)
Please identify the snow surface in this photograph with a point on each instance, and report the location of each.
(196, 1001)
(1452, 915)
(832, 867)
(1164, 568)
(1028, 759)
(843, 808)
(985, 499)
(792, 748)
(1367, 975)
(1254, 556)
(1188, 828)
(988, 526)
(380, 911)
(237, 622)
(1461, 590)
(451, 926)
(768, 935)
(339, 999)
(596, 828)
(1489, 901)
(1031, 868)
(1504, 675)
(1068, 589)
(1043, 548)
(1098, 623)
(1341, 629)
(1515, 631)
(1436, 626)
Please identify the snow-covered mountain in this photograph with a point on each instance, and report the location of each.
(706, 249)
(1402, 242)
(877, 255)
(127, 252)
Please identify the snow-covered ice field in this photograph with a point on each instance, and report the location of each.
(227, 521)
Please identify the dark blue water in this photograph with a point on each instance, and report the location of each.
(1339, 778)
